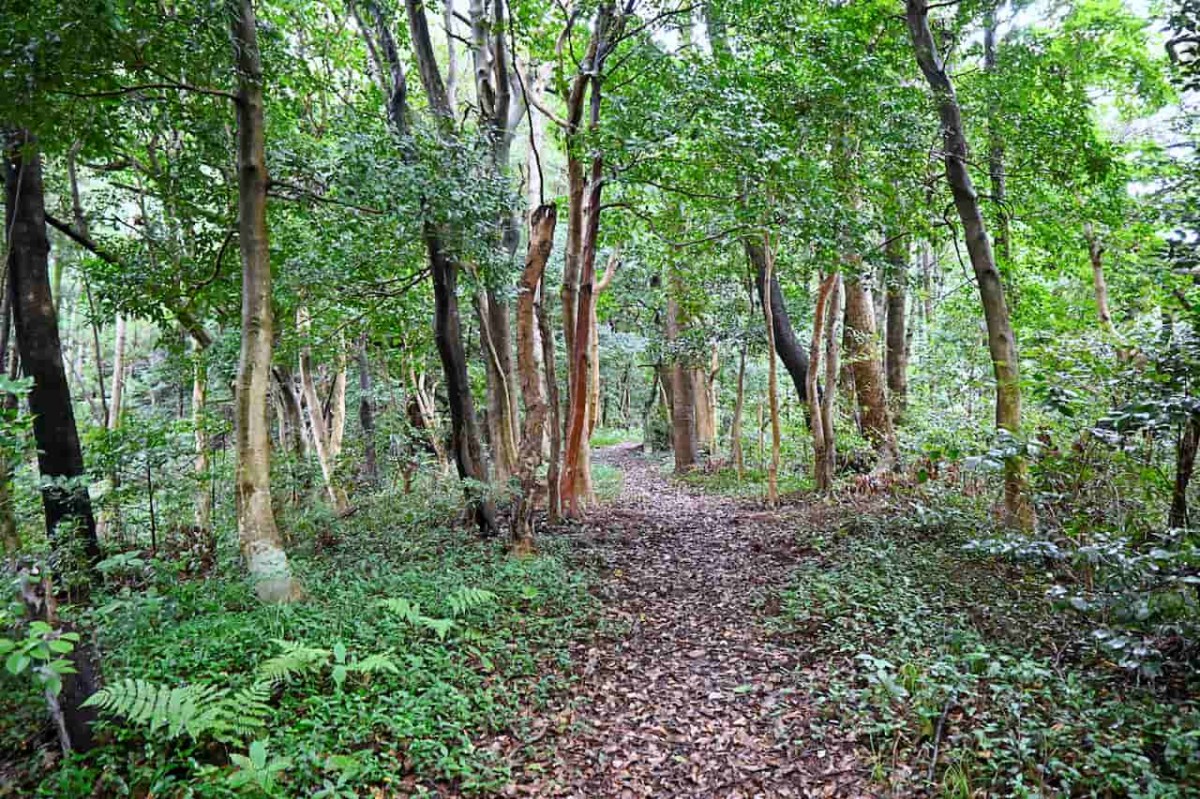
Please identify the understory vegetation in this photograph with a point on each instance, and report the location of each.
(968, 660)
(412, 641)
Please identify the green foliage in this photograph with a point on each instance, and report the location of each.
(936, 648)
(38, 654)
(197, 711)
(357, 696)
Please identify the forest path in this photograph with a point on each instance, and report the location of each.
(687, 694)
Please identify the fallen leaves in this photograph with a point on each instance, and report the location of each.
(687, 695)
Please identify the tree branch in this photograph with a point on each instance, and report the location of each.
(124, 90)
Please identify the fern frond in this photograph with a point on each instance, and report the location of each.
(375, 663)
(441, 627)
(196, 710)
(467, 599)
(409, 611)
(295, 659)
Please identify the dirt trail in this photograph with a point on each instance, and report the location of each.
(691, 697)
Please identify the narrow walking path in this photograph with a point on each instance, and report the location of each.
(689, 695)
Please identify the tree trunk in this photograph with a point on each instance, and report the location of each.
(897, 336)
(335, 410)
(735, 428)
(427, 415)
(579, 271)
(60, 458)
(683, 401)
(1001, 341)
(203, 497)
(262, 546)
(451, 53)
(610, 271)
(291, 432)
(10, 537)
(824, 452)
(1099, 284)
(832, 366)
(541, 242)
(70, 525)
(1185, 463)
(464, 430)
(788, 348)
(862, 355)
(447, 327)
(321, 434)
(118, 378)
(501, 395)
(366, 412)
(772, 381)
(546, 333)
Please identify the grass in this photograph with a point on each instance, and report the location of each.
(751, 483)
(607, 481)
(608, 436)
(401, 731)
(932, 647)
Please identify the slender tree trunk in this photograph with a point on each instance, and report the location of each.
(772, 382)
(366, 411)
(203, 497)
(427, 415)
(683, 406)
(451, 53)
(10, 537)
(501, 396)
(610, 271)
(1099, 284)
(321, 436)
(579, 274)
(447, 325)
(576, 491)
(335, 411)
(862, 356)
(823, 446)
(541, 242)
(70, 525)
(464, 430)
(735, 428)
(832, 357)
(291, 432)
(118, 377)
(790, 352)
(1185, 463)
(262, 546)
(897, 336)
(81, 225)
(553, 466)
(1002, 344)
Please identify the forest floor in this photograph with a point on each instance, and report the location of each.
(686, 692)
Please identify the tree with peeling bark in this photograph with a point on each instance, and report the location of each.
(541, 241)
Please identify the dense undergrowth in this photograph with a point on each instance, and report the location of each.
(436, 678)
(960, 671)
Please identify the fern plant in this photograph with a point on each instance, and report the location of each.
(197, 711)
(294, 660)
(461, 602)
(466, 599)
(298, 659)
(206, 710)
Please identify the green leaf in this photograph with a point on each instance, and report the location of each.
(17, 662)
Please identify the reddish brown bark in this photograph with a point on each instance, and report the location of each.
(541, 241)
